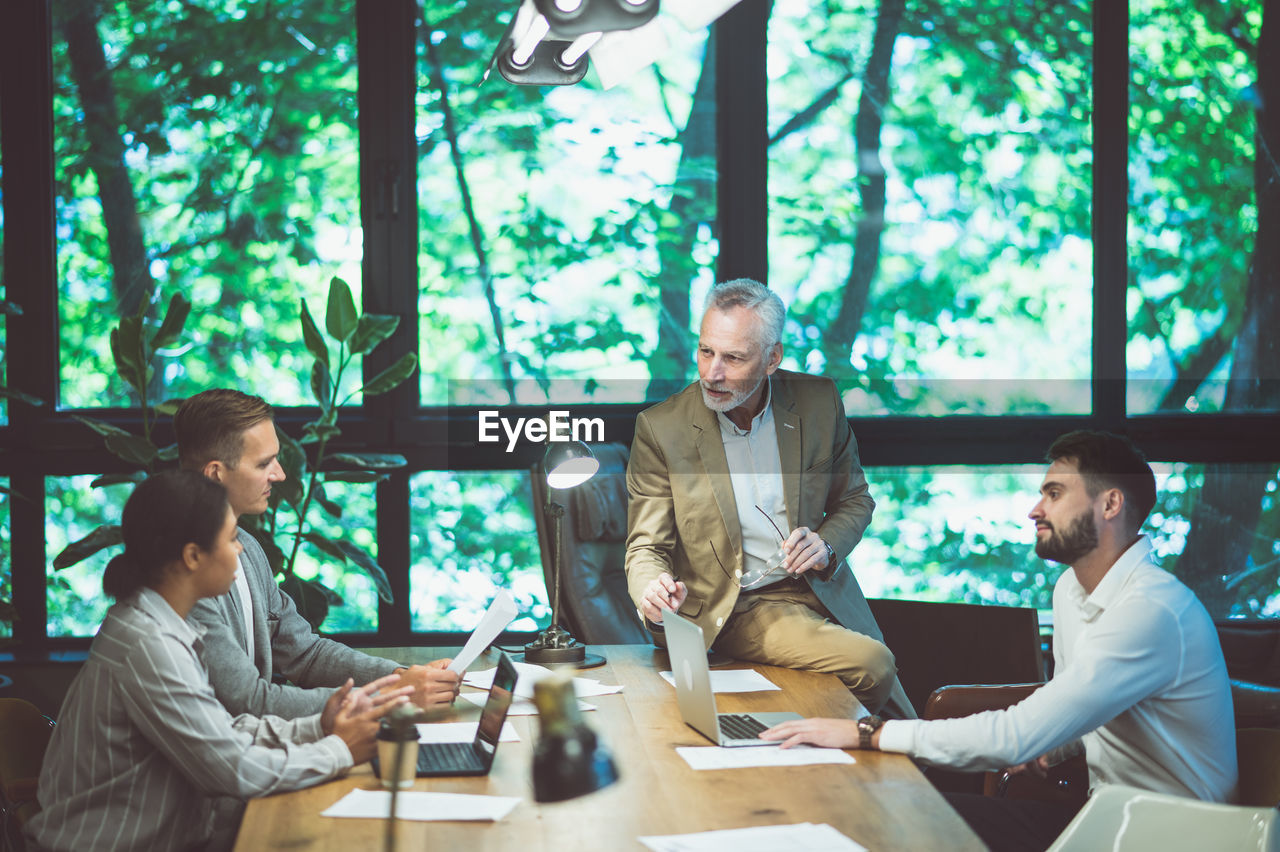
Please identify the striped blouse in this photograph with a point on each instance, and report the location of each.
(142, 745)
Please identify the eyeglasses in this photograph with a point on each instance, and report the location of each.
(754, 578)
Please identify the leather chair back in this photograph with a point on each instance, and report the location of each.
(594, 604)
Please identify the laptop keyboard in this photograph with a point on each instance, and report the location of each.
(447, 756)
(739, 726)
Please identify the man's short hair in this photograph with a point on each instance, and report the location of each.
(754, 296)
(1107, 460)
(211, 426)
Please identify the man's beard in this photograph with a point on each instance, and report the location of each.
(1072, 543)
(736, 399)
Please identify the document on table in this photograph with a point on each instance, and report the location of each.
(801, 837)
(426, 807)
(460, 732)
(714, 757)
(495, 619)
(519, 707)
(733, 680)
(583, 687)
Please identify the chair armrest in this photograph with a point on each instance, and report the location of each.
(1257, 705)
(949, 702)
(19, 791)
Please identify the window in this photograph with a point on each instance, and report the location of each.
(563, 228)
(209, 150)
(978, 228)
(929, 203)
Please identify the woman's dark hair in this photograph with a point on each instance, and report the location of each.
(164, 514)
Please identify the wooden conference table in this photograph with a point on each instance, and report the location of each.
(882, 802)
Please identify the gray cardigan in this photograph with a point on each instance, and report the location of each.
(313, 665)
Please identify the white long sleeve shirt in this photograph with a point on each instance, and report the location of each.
(1139, 677)
(142, 745)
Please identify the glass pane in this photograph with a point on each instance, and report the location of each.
(6, 564)
(358, 527)
(590, 221)
(472, 534)
(73, 509)
(206, 149)
(954, 533)
(1193, 212)
(929, 198)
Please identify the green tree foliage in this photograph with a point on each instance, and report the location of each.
(232, 151)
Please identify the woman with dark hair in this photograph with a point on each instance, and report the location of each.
(142, 746)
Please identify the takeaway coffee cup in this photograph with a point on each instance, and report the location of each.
(397, 753)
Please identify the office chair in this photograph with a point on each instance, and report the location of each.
(594, 604)
(24, 735)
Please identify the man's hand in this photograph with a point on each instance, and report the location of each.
(805, 551)
(662, 593)
(827, 733)
(433, 684)
(1038, 767)
(353, 714)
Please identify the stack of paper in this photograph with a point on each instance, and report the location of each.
(714, 757)
(801, 837)
(376, 804)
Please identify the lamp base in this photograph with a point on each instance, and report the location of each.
(557, 647)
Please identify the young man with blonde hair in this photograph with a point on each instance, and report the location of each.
(254, 631)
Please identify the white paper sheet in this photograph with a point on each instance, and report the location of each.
(460, 732)
(519, 707)
(801, 837)
(733, 680)
(495, 619)
(529, 674)
(444, 807)
(714, 757)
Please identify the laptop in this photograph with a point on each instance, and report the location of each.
(697, 702)
(440, 760)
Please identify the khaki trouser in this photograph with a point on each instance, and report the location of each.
(786, 625)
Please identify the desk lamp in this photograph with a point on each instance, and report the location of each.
(568, 760)
(566, 464)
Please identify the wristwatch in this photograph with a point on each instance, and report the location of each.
(867, 726)
(831, 552)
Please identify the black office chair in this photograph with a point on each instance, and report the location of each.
(594, 604)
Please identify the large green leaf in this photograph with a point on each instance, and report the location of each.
(325, 545)
(372, 329)
(371, 567)
(293, 460)
(118, 479)
(312, 432)
(320, 383)
(311, 336)
(395, 374)
(107, 535)
(133, 449)
(310, 598)
(340, 317)
(361, 477)
(323, 501)
(365, 461)
(9, 393)
(175, 317)
(126, 350)
(106, 430)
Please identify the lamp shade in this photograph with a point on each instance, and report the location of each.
(568, 464)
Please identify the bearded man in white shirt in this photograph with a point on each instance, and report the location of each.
(1139, 685)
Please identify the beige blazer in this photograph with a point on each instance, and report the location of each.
(682, 517)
